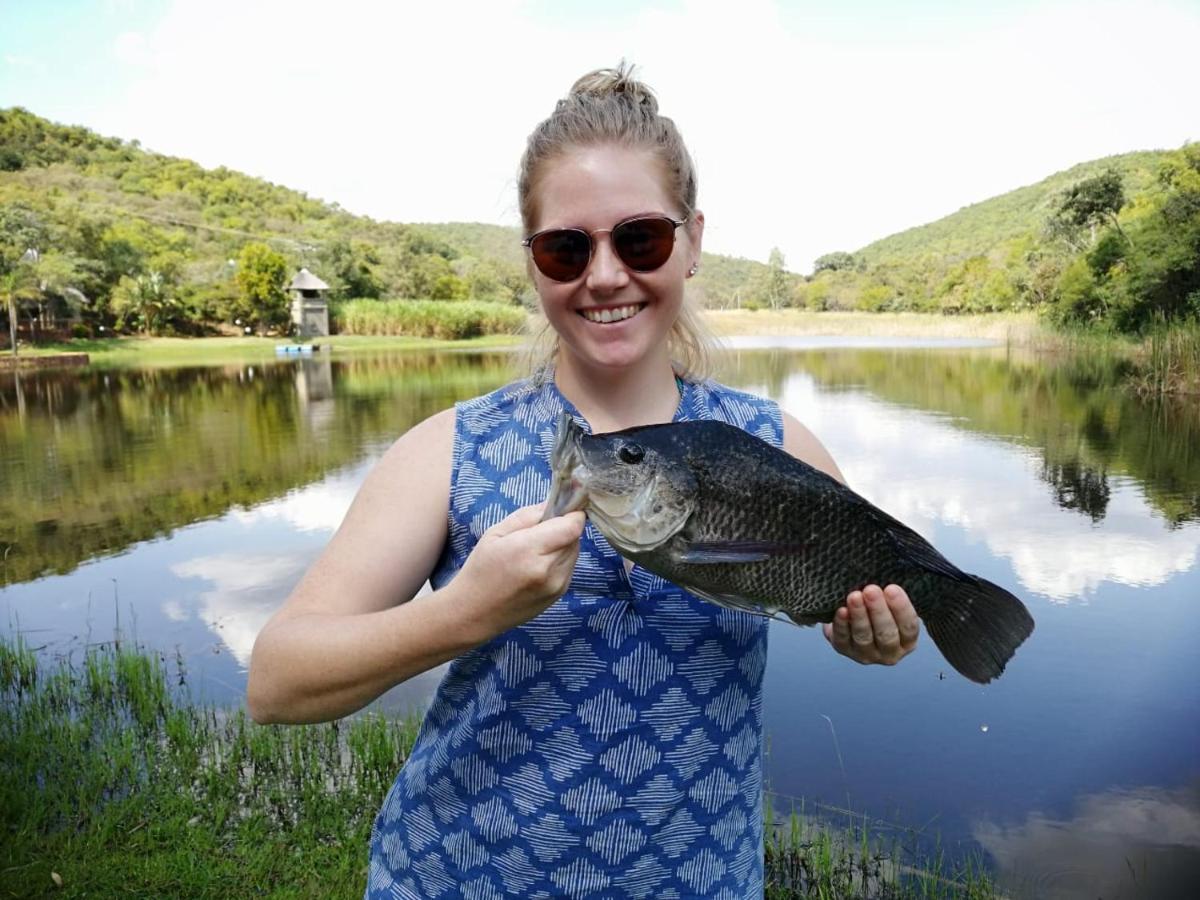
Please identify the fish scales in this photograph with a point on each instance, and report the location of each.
(743, 524)
(821, 542)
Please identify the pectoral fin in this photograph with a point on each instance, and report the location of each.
(703, 553)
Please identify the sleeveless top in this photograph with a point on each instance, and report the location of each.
(611, 746)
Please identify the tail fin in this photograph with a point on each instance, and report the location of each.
(978, 627)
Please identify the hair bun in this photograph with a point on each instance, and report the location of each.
(607, 82)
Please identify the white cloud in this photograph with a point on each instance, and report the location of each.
(130, 48)
(24, 64)
(810, 133)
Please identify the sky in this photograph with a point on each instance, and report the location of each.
(814, 126)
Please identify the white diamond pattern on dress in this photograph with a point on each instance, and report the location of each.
(608, 747)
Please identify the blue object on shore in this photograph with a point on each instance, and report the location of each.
(289, 349)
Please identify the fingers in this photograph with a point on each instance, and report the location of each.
(518, 520)
(875, 626)
(560, 532)
(550, 536)
(885, 634)
(838, 631)
(905, 614)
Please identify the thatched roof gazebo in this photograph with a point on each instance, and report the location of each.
(310, 311)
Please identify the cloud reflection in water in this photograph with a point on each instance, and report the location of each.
(995, 492)
(247, 588)
(1141, 842)
(246, 591)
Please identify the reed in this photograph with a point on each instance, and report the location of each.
(113, 783)
(808, 855)
(443, 319)
(1169, 361)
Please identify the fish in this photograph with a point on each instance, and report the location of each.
(743, 524)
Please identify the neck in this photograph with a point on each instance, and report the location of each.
(611, 399)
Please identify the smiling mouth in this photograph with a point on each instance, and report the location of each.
(609, 314)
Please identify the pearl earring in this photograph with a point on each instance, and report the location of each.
(693, 270)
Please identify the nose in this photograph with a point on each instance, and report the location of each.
(606, 273)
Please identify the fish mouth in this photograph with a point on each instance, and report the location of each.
(568, 485)
(632, 516)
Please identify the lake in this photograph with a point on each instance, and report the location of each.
(178, 506)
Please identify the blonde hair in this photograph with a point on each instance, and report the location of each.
(608, 106)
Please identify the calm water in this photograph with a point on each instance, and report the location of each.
(181, 505)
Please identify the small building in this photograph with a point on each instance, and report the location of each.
(310, 310)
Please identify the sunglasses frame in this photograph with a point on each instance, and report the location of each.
(676, 223)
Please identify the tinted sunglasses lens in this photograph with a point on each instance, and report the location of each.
(644, 244)
(561, 255)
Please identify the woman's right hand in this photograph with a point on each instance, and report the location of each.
(518, 568)
(356, 624)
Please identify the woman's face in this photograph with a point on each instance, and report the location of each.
(594, 188)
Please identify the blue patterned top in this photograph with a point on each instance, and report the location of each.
(610, 747)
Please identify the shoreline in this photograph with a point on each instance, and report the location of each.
(1016, 328)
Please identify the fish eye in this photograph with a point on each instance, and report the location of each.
(631, 453)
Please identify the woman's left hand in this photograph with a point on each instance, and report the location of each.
(875, 626)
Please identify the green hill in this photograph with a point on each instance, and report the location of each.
(133, 240)
(112, 220)
(993, 226)
(1114, 240)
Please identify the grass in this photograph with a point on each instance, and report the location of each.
(160, 351)
(1017, 328)
(1166, 361)
(111, 783)
(807, 856)
(430, 318)
(1169, 362)
(376, 328)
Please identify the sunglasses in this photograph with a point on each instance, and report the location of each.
(643, 244)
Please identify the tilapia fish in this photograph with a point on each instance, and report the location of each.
(743, 524)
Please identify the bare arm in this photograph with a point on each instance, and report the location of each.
(875, 625)
(351, 629)
(803, 444)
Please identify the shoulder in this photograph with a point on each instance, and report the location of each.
(425, 450)
(518, 402)
(804, 445)
(757, 415)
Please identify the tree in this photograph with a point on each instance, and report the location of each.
(261, 274)
(16, 284)
(351, 268)
(21, 233)
(837, 261)
(776, 288)
(1089, 204)
(144, 301)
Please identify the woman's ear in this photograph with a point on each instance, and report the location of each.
(695, 232)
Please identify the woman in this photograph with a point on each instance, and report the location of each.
(599, 729)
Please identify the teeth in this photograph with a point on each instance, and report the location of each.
(610, 314)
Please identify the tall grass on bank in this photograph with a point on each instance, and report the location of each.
(1170, 361)
(444, 319)
(806, 856)
(112, 784)
(1163, 362)
(117, 786)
